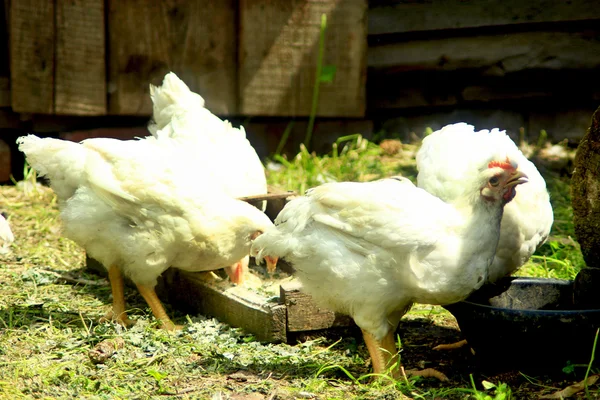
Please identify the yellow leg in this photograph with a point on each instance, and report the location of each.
(157, 308)
(235, 273)
(384, 356)
(383, 353)
(118, 312)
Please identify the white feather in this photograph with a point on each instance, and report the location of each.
(164, 200)
(449, 155)
(370, 250)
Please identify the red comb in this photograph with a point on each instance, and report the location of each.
(501, 164)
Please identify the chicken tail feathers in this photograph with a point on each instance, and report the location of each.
(61, 161)
(169, 99)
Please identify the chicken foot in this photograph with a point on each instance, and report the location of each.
(149, 294)
(117, 313)
(384, 356)
(451, 346)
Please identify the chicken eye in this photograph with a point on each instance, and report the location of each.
(494, 181)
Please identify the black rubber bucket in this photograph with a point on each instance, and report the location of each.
(527, 323)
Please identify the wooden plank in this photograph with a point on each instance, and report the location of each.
(233, 305)
(492, 55)
(80, 68)
(278, 56)
(125, 133)
(4, 53)
(32, 56)
(196, 39)
(304, 315)
(403, 16)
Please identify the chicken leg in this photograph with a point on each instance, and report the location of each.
(238, 270)
(384, 356)
(149, 294)
(117, 313)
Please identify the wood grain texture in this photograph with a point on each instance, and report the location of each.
(4, 29)
(492, 55)
(302, 312)
(196, 39)
(234, 305)
(80, 67)
(32, 56)
(402, 16)
(278, 56)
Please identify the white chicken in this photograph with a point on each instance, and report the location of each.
(371, 250)
(6, 235)
(141, 206)
(445, 160)
(233, 163)
(219, 150)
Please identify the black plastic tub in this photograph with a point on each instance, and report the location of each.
(527, 323)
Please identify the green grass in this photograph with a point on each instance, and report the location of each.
(50, 305)
(560, 257)
(353, 158)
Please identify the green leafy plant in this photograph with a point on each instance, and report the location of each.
(324, 74)
(501, 391)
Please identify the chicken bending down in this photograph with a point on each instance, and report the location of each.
(445, 160)
(371, 250)
(215, 147)
(141, 206)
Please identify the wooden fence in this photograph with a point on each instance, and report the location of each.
(401, 65)
(252, 57)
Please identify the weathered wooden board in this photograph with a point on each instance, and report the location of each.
(80, 64)
(278, 52)
(494, 55)
(409, 16)
(32, 56)
(233, 305)
(196, 39)
(303, 314)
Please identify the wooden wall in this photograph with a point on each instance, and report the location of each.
(76, 67)
(278, 54)
(511, 63)
(251, 57)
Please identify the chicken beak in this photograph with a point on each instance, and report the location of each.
(271, 264)
(517, 178)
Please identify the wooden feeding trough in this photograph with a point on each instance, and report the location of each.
(271, 316)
